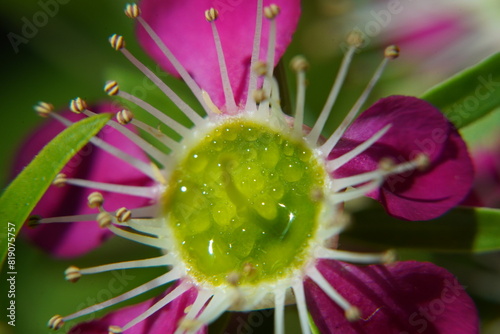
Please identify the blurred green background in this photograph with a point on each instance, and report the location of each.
(68, 55)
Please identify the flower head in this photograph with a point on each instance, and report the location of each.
(249, 204)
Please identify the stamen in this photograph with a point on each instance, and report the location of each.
(252, 82)
(211, 15)
(352, 313)
(72, 274)
(132, 11)
(300, 65)
(37, 220)
(126, 116)
(300, 298)
(279, 313)
(147, 192)
(152, 226)
(210, 105)
(179, 290)
(357, 192)
(161, 280)
(164, 260)
(56, 322)
(352, 39)
(174, 125)
(78, 105)
(188, 322)
(142, 239)
(115, 330)
(259, 95)
(346, 256)
(343, 159)
(117, 42)
(390, 53)
(44, 109)
(271, 12)
(173, 60)
(95, 200)
(60, 180)
(220, 303)
(104, 219)
(184, 107)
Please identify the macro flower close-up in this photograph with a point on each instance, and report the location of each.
(242, 197)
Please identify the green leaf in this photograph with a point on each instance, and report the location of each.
(21, 196)
(460, 230)
(470, 94)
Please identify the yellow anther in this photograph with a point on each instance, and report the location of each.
(123, 215)
(355, 38)
(422, 161)
(44, 109)
(115, 330)
(33, 220)
(233, 278)
(391, 52)
(95, 200)
(55, 322)
(78, 105)
(259, 95)
(386, 164)
(117, 42)
(132, 10)
(111, 88)
(299, 64)
(60, 180)
(271, 11)
(260, 68)
(124, 116)
(389, 257)
(211, 14)
(352, 314)
(72, 274)
(104, 219)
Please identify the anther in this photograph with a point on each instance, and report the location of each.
(422, 161)
(104, 219)
(260, 68)
(115, 330)
(299, 64)
(33, 220)
(72, 274)
(132, 10)
(111, 88)
(117, 42)
(386, 164)
(55, 322)
(211, 14)
(233, 278)
(391, 52)
(43, 109)
(389, 257)
(60, 180)
(95, 200)
(124, 116)
(123, 215)
(352, 313)
(259, 95)
(355, 38)
(78, 105)
(271, 11)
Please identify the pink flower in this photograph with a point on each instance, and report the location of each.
(249, 203)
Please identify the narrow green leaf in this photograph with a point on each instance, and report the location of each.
(470, 94)
(460, 230)
(21, 196)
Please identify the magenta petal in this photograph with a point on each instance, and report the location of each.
(164, 321)
(417, 127)
(91, 163)
(182, 27)
(401, 298)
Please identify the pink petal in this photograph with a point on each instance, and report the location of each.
(404, 297)
(91, 163)
(164, 321)
(182, 27)
(417, 127)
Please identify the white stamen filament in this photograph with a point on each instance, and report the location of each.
(135, 138)
(183, 106)
(313, 136)
(68, 219)
(215, 307)
(226, 83)
(188, 321)
(142, 239)
(279, 311)
(161, 280)
(174, 125)
(300, 102)
(339, 132)
(357, 192)
(152, 226)
(148, 192)
(156, 133)
(346, 256)
(179, 290)
(173, 60)
(163, 260)
(252, 82)
(271, 50)
(300, 298)
(343, 159)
